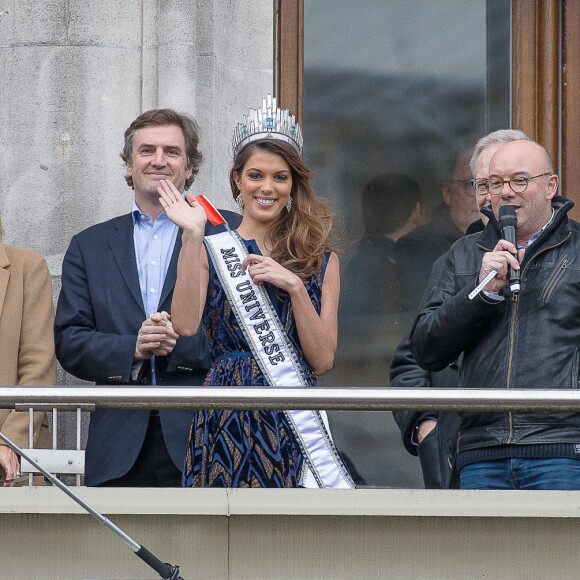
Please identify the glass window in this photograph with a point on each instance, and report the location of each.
(396, 92)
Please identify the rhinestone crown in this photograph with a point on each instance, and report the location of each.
(269, 122)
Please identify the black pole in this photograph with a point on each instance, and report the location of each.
(165, 571)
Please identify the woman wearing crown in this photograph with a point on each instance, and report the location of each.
(267, 297)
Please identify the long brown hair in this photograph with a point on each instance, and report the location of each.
(299, 238)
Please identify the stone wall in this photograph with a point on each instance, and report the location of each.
(76, 73)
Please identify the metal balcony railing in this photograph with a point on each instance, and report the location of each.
(329, 398)
(77, 399)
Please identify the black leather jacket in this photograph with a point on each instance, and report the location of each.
(531, 343)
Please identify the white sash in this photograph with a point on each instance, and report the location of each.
(276, 359)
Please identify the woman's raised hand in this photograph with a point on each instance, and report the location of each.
(188, 214)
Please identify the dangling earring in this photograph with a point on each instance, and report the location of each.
(240, 201)
(289, 204)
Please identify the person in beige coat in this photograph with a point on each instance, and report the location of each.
(27, 344)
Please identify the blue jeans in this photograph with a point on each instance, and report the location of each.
(542, 473)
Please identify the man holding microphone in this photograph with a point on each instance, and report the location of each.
(525, 339)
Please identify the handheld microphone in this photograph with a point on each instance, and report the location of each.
(508, 223)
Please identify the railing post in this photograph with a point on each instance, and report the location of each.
(30, 439)
(79, 415)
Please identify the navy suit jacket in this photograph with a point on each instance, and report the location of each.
(99, 313)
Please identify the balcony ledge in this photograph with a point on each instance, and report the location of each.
(295, 502)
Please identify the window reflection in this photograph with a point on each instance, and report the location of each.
(393, 100)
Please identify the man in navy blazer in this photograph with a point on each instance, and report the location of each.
(117, 279)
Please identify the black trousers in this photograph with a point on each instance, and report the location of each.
(154, 466)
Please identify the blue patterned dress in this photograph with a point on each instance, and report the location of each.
(244, 448)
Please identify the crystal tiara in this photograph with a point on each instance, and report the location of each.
(269, 122)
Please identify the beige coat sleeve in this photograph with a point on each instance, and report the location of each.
(36, 360)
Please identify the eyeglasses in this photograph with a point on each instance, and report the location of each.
(494, 186)
(465, 183)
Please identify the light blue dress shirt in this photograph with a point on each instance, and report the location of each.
(154, 243)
